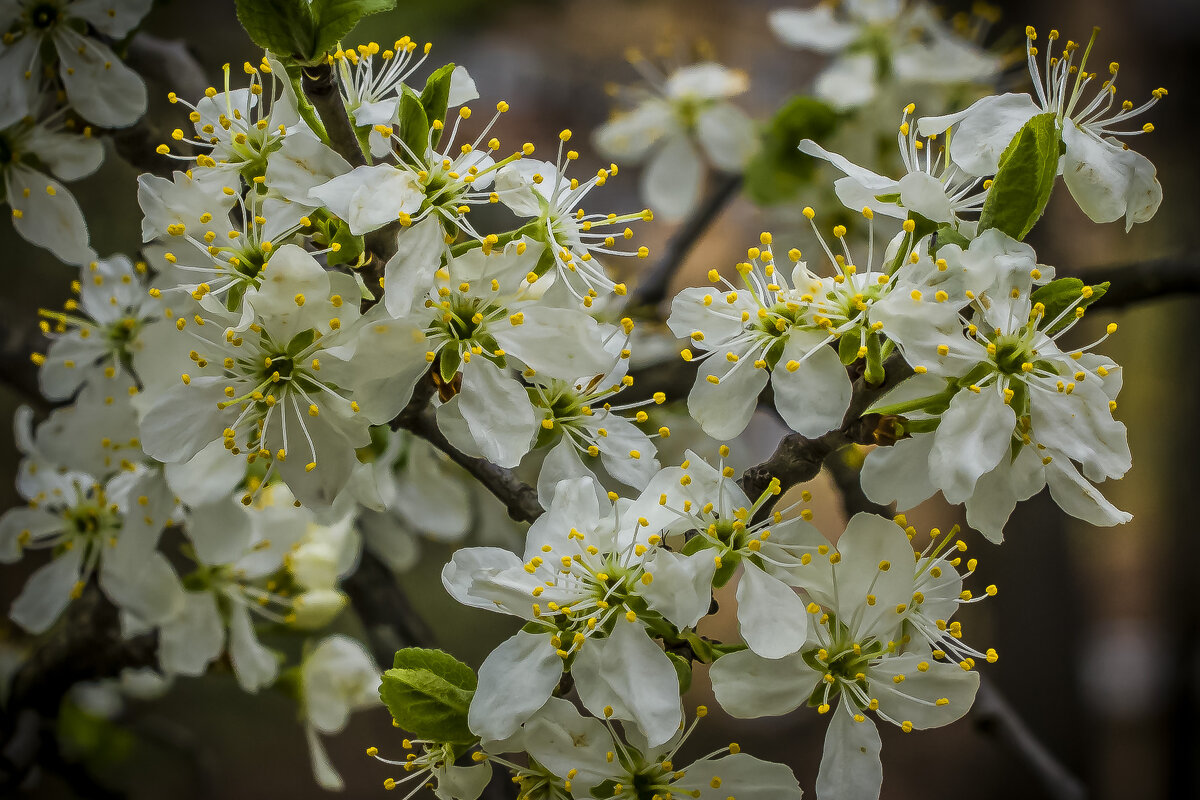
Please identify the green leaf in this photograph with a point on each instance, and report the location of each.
(428, 693)
(413, 128)
(285, 27)
(300, 31)
(779, 170)
(1059, 295)
(1024, 180)
(435, 97)
(300, 341)
(333, 19)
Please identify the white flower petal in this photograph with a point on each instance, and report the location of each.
(629, 672)
(727, 136)
(48, 215)
(497, 409)
(99, 85)
(748, 685)
(515, 680)
(408, 275)
(194, 638)
(671, 181)
(682, 587)
(47, 592)
(812, 28)
(771, 617)
(984, 129)
(812, 399)
(850, 766)
(974, 434)
(723, 409)
(899, 473)
(254, 664)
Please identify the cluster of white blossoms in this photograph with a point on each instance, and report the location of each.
(50, 51)
(320, 323)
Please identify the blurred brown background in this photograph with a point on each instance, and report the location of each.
(1097, 628)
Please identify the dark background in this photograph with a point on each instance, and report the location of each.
(1097, 628)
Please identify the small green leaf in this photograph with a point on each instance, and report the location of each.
(428, 693)
(285, 27)
(1024, 180)
(1059, 295)
(729, 564)
(333, 19)
(435, 97)
(948, 235)
(779, 170)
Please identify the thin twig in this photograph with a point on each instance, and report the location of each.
(321, 89)
(1145, 280)
(652, 288)
(994, 717)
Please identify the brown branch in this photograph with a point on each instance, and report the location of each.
(798, 459)
(995, 718)
(518, 497)
(86, 645)
(1145, 280)
(652, 288)
(321, 88)
(385, 610)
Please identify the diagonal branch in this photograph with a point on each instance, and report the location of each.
(994, 717)
(1144, 280)
(653, 286)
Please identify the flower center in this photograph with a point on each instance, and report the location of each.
(43, 15)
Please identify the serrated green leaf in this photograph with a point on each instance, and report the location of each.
(1063, 293)
(779, 170)
(1024, 179)
(428, 693)
(285, 27)
(333, 19)
(435, 97)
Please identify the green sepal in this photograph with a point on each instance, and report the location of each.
(350, 247)
(1024, 180)
(696, 544)
(724, 573)
(1060, 294)
(449, 360)
(300, 341)
(874, 373)
(779, 170)
(700, 646)
(683, 670)
(435, 98)
(848, 350)
(428, 693)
